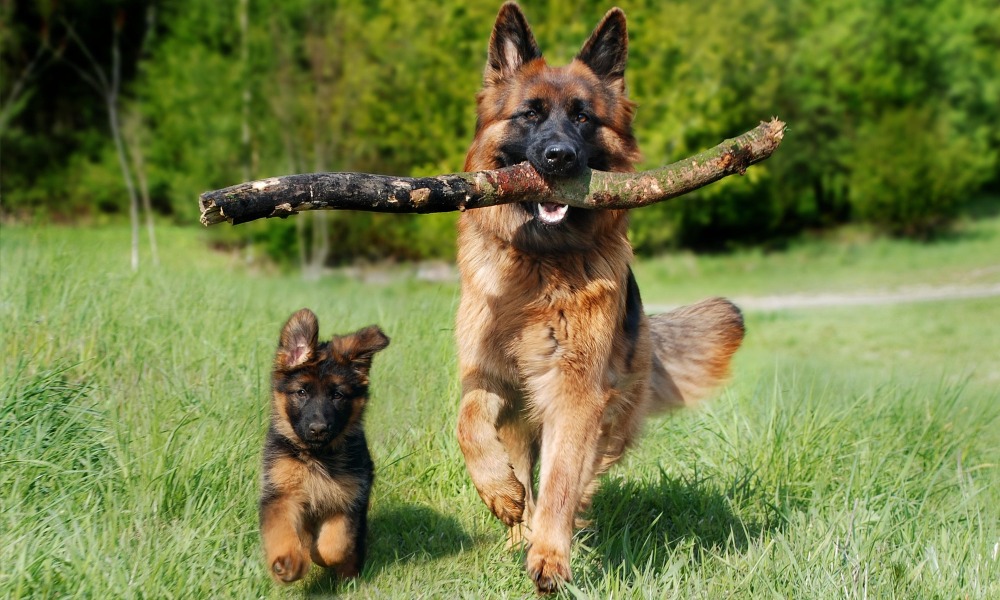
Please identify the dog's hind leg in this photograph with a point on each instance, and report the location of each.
(486, 457)
(520, 438)
(621, 426)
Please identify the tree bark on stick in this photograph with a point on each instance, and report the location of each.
(283, 196)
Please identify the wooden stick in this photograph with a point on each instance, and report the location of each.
(283, 196)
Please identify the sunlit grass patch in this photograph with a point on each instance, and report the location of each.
(854, 453)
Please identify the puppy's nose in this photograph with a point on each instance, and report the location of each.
(317, 429)
(560, 157)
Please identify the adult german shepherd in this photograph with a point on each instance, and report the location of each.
(559, 364)
(317, 473)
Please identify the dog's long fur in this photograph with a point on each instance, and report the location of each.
(559, 364)
(317, 473)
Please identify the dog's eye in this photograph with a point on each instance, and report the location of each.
(301, 393)
(530, 115)
(337, 396)
(582, 118)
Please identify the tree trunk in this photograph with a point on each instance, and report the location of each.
(109, 90)
(133, 198)
(134, 138)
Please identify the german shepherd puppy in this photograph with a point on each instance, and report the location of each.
(559, 364)
(317, 472)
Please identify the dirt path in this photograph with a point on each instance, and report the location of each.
(438, 271)
(861, 298)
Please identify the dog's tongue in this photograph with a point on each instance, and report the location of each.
(552, 213)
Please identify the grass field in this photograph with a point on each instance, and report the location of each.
(854, 455)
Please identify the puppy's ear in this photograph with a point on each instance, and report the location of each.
(298, 340)
(606, 52)
(511, 45)
(358, 348)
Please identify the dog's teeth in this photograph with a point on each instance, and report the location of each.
(552, 212)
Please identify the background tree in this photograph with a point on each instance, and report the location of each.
(869, 90)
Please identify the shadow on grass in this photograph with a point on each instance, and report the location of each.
(641, 523)
(398, 534)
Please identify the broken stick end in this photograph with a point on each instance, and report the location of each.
(776, 129)
(211, 213)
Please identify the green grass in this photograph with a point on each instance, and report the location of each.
(851, 261)
(855, 453)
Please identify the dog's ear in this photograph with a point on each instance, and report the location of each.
(606, 52)
(298, 340)
(511, 45)
(358, 348)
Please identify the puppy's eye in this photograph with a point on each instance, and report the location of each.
(530, 115)
(582, 118)
(337, 396)
(301, 393)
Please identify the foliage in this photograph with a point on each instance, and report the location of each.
(931, 172)
(230, 91)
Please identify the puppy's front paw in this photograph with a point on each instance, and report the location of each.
(548, 568)
(290, 566)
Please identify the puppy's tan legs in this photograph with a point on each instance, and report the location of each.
(285, 541)
(486, 458)
(335, 546)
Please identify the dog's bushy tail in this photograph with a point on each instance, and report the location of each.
(692, 348)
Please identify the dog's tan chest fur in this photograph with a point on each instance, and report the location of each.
(307, 478)
(523, 315)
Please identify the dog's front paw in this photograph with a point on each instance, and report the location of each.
(505, 499)
(290, 566)
(548, 568)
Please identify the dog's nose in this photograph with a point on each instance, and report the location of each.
(317, 429)
(560, 157)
